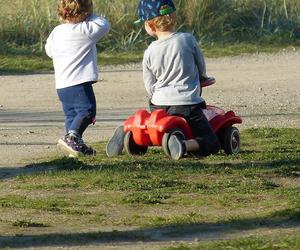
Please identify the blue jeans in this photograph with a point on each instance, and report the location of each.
(79, 106)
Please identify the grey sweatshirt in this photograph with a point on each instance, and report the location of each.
(172, 67)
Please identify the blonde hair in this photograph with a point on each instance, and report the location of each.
(74, 11)
(165, 22)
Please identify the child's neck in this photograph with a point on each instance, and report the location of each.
(163, 34)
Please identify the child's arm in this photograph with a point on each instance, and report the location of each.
(149, 78)
(95, 27)
(200, 62)
(48, 46)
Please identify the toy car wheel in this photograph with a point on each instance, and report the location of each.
(131, 147)
(175, 131)
(230, 140)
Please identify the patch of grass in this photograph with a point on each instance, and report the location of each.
(28, 223)
(117, 58)
(17, 64)
(251, 191)
(216, 50)
(57, 204)
(146, 198)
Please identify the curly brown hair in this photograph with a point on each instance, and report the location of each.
(166, 22)
(74, 11)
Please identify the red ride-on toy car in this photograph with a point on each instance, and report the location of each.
(146, 129)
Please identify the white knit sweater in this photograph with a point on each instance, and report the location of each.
(73, 50)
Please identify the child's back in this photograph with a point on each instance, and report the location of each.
(72, 47)
(172, 67)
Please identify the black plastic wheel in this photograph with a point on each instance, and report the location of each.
(230, 140)
(131, 147)
(175, 131)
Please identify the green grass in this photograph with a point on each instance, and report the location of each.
(222, 27)
(27, 223)
(18, 64)
(254, 193)
(30, 21)
(23, 60)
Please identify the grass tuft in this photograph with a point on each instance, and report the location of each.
(28, 223)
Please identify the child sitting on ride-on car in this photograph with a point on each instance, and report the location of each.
(172, 68)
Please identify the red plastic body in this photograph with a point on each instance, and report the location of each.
(148, 129)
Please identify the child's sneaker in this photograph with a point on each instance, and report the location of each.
(116, 142)
(74, 146)
(86, 150)
(70, 146)
(176, 147)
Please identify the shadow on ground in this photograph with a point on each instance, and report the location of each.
(286, 167)
(284, 219)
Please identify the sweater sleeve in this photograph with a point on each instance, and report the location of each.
(95, 27)
(48, 46)
(200, 62)
(148, 77)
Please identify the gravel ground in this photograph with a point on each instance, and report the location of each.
(263, 89)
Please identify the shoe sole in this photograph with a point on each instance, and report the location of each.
(115, 144)
(174, 142)
(71, 152)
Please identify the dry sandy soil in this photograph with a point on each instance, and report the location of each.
(263, 89)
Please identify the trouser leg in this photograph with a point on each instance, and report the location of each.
(79, 105)
(85, 107)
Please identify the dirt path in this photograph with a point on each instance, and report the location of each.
(263, 89)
